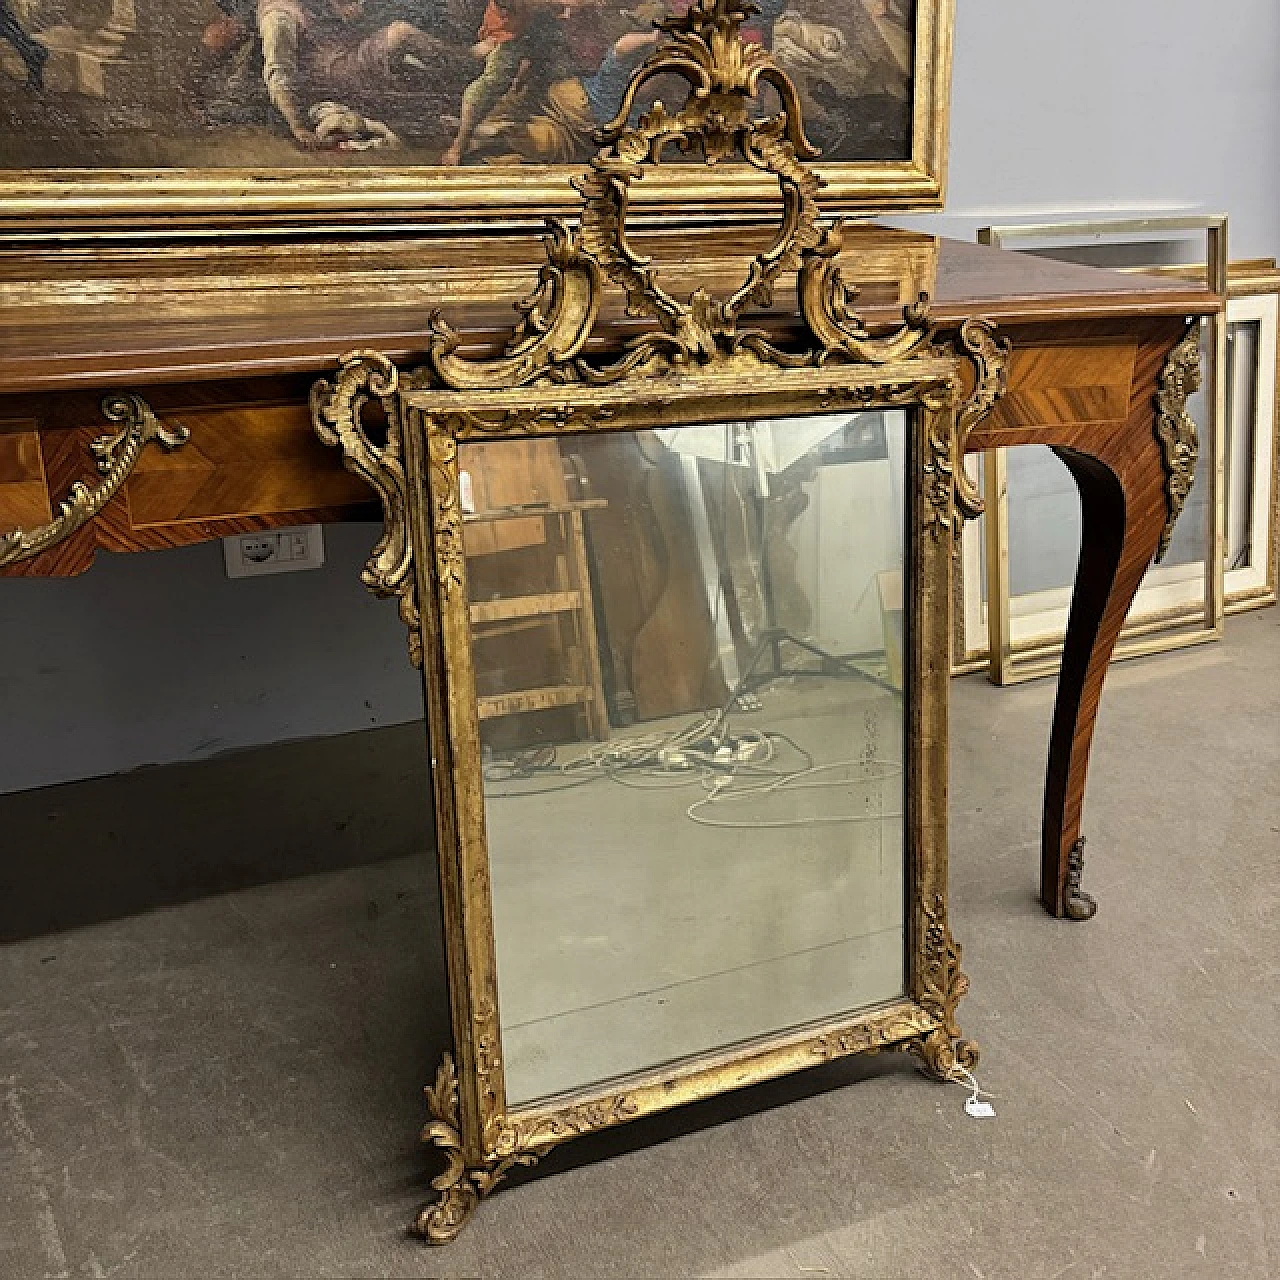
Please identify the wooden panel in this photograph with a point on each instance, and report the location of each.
(254, 464)
(509, 704)
(526, 606)
(1057, 384)
(285, 309)
(24, 496)
(244, 460)
(514, 473)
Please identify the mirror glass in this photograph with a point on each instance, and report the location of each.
(689, 654)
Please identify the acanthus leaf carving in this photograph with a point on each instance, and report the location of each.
(446, 502)
(336, 410)
(942, 985)
(460, 1187)
(509, 1143)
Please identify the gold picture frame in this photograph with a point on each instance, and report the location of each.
(67, 204)
(696, 362)
(1255, 290)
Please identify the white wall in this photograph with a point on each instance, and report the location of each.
(1092, 105)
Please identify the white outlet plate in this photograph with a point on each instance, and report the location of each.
(250, 555)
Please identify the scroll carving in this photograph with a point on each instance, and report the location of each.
(942, 985)
(116, 454)
(1176, 429)
(989, 357)
(509, 1144)
(336, 410)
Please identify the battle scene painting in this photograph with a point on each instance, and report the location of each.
(288, 84)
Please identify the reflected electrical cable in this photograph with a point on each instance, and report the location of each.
(733, 767)
(723, 791)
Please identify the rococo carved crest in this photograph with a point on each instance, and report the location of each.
(724, 78)
(720, 120)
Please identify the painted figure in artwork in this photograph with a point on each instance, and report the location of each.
(33, 54)
(512, 35)
(317, 51)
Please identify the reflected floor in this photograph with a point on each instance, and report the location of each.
(630, 935)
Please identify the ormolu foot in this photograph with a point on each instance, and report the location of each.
(1077, 904)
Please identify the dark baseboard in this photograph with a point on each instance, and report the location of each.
(84, 852)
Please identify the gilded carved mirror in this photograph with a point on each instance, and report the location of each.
(681, 599)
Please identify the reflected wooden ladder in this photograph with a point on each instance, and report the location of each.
(568, 604)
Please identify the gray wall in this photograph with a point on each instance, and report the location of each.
(1116, 105)
(1093, 105)
(160, 657)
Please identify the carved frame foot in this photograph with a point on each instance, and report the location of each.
(1077, 905)
(461, 1187)
(943, 1052)
(944, 1057)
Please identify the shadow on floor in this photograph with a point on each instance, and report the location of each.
(84, 852)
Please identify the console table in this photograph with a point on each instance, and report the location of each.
(206, 357)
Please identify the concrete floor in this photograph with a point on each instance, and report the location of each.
(229, 1085)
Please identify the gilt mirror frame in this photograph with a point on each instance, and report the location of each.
(696, 362)
(67, 204)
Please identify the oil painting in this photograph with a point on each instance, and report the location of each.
(269, 88)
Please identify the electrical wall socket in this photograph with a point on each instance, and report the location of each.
(249, 555)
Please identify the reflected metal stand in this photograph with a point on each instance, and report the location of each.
(772, 636)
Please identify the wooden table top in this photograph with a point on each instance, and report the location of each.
(124, 319)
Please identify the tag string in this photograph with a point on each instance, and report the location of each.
(963, 1076)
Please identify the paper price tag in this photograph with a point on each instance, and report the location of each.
(978, 1109)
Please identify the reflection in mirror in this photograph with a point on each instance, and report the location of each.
(689, 654)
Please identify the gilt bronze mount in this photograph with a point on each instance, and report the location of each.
(116, 453)
(1176, 429)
